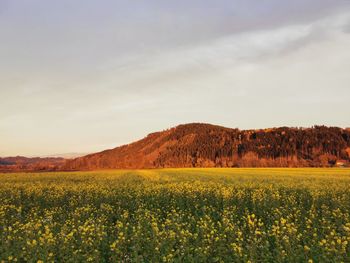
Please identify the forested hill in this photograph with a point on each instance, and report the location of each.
(206, 145)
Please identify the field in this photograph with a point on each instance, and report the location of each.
(176, 215)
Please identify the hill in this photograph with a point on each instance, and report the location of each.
(206, 145)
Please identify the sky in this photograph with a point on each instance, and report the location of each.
(84, 76)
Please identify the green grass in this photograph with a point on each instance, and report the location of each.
(176, 215)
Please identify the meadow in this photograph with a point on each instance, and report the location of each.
(176, 215)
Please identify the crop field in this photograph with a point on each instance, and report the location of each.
(176, 215)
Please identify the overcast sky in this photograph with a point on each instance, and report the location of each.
(83, 76)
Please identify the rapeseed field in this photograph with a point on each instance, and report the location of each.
(176, 215)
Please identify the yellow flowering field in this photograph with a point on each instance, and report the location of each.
(176, 215)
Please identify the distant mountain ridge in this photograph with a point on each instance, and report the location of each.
(65, 155)
(206, 145)
(21, 163)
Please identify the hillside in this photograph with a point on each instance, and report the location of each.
(206, 145)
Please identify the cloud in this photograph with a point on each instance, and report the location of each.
(243, 51)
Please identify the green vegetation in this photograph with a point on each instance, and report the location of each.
(176, 215)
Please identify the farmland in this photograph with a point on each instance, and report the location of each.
(176, 215)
